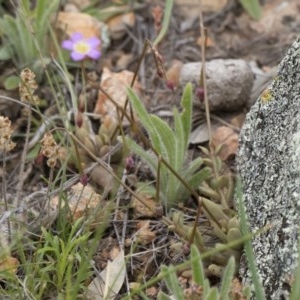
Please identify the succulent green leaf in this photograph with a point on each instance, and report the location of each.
(219, 163)
(222, 181)
(215, 209)
(212, 294)
(197, 266)
(5, 52)
(193, 167)
(11, 82)
(209, 192)
(162, 296)
(205, 150)
(227, 278)
(196, 179)
(172, 281)
(233, 234)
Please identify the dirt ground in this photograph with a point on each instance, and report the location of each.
(231, 32)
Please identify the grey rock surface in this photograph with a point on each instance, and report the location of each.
(229, 82)
(268, 161)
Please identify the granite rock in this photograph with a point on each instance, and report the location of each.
(268, 162)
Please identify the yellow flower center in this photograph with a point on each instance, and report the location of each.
(82, 47)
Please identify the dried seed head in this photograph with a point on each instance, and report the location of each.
(48, 152)
(48, 140)
(51, 162)
(50, 149)
(6, 143)
(27, 87)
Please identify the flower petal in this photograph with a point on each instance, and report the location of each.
(67, 44)
(77, 56)
(94, 54)
(77, 36)
(93, 42)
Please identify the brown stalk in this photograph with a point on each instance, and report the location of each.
(202, 82)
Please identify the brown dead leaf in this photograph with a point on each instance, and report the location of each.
(173, 72)
(190, 8)
(238, 120)
(145, 235)
(114, 252)
(229, 138)
(272, 16)
(236, 290)
(147, 208)
(209, 42)
(81, 4)
(82, 200)
(152, 291)
(114, 84)
(124, 60)
(118, 25)
(109, 282)
(200, 134)
(8, 264)
(71, 22)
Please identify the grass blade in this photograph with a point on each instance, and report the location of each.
(295, 295)
(165, 22)
(186, 115)
(259, 291)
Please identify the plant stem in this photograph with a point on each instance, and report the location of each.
(4, 196)
(23, 161)
(203, 72)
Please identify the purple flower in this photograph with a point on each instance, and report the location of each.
(81, 47)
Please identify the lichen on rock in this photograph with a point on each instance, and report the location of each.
(268, 162)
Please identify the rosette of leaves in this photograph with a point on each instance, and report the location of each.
(217, 192)
(171, 145)
(99, 144)
(24, 37)
(200, 287)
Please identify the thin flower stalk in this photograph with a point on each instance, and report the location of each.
(52, 152)
(6, 145)
(27, 88)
